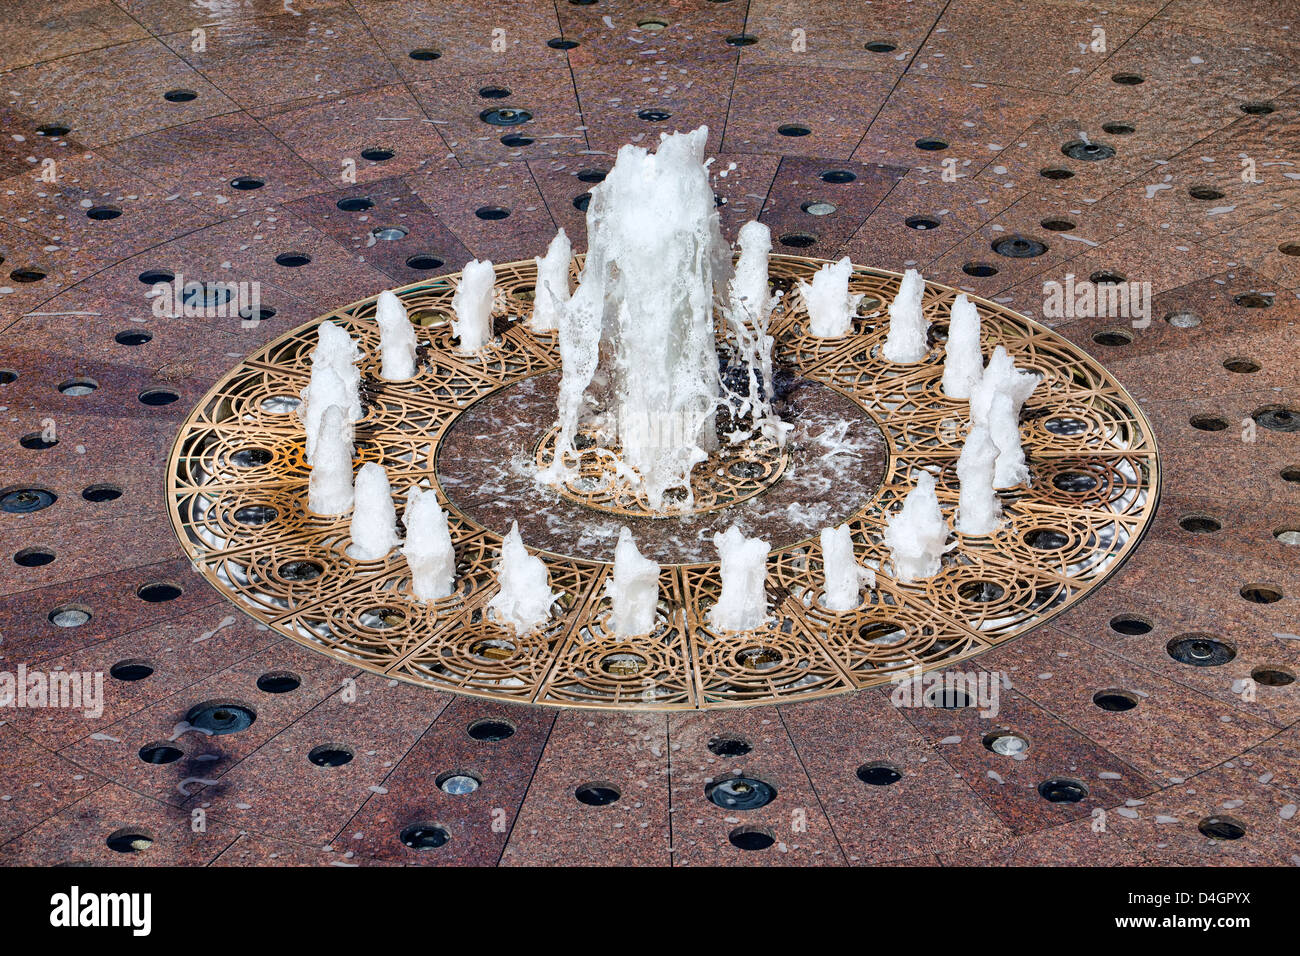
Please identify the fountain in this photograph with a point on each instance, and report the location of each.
(551, 294)
(748, 320)
(978, 508)
(963, 362)
(329, 489)
(633, 589)
(472, 304)
(642, 317)
(670, 402)
(907, 322)
(742, 605)
(428, 549)
(374, 516)
(335, 380)
(916, 535)
(996, 402)
(397, 341)
(844, 577)
(523, 602)
(830, 305)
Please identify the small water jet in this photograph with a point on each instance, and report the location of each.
(523, 602)
(335, 380)
(551, 293)
(633, 589)
(844, 578)
(374, 516)
(748, 319)
(917, 534)
(472, 304)
(397, 339)
(329, 489)
(963, 362)
(906, 340)
(996, 402)
(742, 605)
(831, 307)
(428, 549)
(978, 508)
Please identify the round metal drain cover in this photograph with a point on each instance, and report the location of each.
(740, 793)
(1019, 247)
(424, 836)
(1086, 151)
(221, 717)
(1200, 650)
(1062, 790)
(26, 500)
(504, 116)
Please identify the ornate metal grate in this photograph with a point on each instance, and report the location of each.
(237, 496)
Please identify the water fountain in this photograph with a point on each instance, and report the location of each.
(702, 480)
(844, 577)
(978, 509)
(397, 339)
(374, 516)
(552, 292)
(963, 360)
(996, 402)
(472, 304)
(428, 550)
(908, 324)
(523, 599)
(633, 589)
(830, 305)
(329, 489)
(742, 605)
(917, 535)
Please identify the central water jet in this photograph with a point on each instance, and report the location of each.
(637, 340)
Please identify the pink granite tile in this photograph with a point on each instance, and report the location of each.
(477, 824)
(929, 808)
(623, 752)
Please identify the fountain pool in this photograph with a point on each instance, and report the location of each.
(471, 428)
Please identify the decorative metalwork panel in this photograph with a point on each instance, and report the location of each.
(238, 488)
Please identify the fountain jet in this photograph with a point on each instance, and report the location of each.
(996, 402)
(551, 293)
(916, 535)
(472, 303)
(742, 605)
(524, 599)
(643, 314)
(396, 339)
(428, 549)
(843, 576)
(374, 516)
(329, 489)
(906, 341)
(748, 318)
(831, 306)
(978, 508)
(963, 362)
(335, 380)
(633, 589)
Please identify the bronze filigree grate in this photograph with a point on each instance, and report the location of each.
(237, 497)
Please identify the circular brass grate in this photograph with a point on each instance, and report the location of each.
(237, 496)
